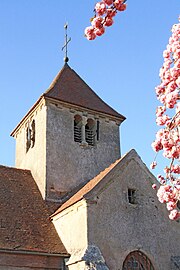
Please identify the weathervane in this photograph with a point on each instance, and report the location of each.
(66, 59)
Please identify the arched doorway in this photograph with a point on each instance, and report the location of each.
(137, 260)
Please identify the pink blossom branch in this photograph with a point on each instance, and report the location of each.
(168, 138)
(104, 13)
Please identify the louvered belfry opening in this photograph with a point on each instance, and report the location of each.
(77, 128)
(89, 131)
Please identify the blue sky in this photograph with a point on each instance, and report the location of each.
(122, 66)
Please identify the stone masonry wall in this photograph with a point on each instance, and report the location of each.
(118, 227)
(35, 158)
(70, 164)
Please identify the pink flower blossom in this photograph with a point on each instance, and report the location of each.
(119, 5)
(157, 146)
(166, 54)
(154, 186)
(174, 214)
(122, 7)
(171, 205)
(161, 120)
(108, 21)
(97, 22)
(89, 33)
(100, 8)
(111, 12)
(166, 170)
(160, 110)
(99, 31)
(153, 165)
(166, 193)
(176, 169)
(108, 2)
(105, 10)
(161, 179)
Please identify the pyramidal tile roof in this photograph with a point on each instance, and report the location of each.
(69, 87)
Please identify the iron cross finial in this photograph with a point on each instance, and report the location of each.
(67, 40)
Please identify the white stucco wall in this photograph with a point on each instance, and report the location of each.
(71, 226)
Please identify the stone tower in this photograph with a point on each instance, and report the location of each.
(67, 137)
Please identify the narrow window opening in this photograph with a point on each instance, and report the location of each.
(97, 131)
(33, 133)
(30, 136)
(77, 128)
(132, 196)
(90, 132)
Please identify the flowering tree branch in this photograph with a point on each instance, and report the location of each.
(168, 93)
(168, 137)
(104, 14)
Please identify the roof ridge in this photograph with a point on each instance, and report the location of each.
(14, 168)
(56, 78)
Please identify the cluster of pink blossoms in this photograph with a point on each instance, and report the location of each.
(170, 195)
(104, 14)
(168, 138)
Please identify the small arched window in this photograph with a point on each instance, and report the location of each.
(90, 131)
(77, 128)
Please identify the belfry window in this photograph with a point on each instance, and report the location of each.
(28, 138)
(30, 135)
(97, 130)
(77, 128)
(90, 132)
(33, 133)
(86, 130)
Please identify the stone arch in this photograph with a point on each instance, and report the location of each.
(137, 260)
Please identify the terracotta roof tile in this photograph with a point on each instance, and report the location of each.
(24, 217)
(69, 87)
(86, 188)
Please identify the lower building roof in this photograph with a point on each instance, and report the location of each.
(24, 216)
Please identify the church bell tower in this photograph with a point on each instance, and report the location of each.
(68, 136)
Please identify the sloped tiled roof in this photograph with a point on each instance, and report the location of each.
(86, 188)
(70, 88)
(24, 217)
